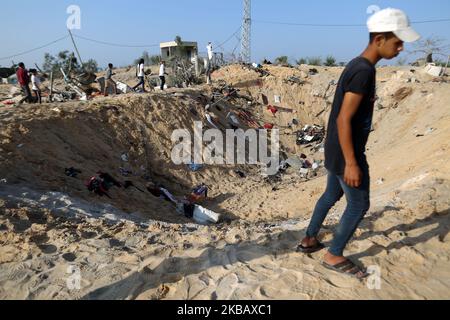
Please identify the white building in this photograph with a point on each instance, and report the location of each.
(170, 49)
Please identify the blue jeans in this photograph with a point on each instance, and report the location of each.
(141, 82)
(357, 205)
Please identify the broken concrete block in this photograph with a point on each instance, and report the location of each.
(123, 87)
(304, 171)
(433, 70)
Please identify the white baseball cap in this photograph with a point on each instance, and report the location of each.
(395, 21)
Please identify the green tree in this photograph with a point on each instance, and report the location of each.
(431, 46)
(180, 49)
(282, 60)
(315, 61)
(149, 60)
(330, 61)
(155, 59)
(65, 60)
(90, 66)
(50, 63)
(301, 61)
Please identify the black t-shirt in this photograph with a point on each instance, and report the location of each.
(357, 77)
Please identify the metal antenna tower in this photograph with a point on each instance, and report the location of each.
(246, 32)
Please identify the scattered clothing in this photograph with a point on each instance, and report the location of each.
(163, 193)
(71, 172)
(309, 134)
(101, 183)
(272, 109)
(194, 166)
(198, 194)
(232, 120)
(124, 172)
(240, 173)
(209, 119)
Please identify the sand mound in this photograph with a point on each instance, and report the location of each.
(60, 241)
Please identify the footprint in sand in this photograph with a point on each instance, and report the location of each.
(69, 256)
(341, 280)
(40, 238)
(88, 234)
(47, 248)
(226, 286)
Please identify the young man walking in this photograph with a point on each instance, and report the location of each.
(35, 83)
(109, 82)
(162, 73)
(24, 80)
(348, 130)
(140, 73)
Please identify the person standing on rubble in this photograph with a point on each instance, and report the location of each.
(24, 81)
(208, 71)
(109, 82)
(162, 73)
(209, 49)
(348, 130)
(35, 83)
(140, 74)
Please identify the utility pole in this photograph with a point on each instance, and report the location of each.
(76, 49)
(246, 33)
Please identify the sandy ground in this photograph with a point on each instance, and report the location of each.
(60, 242)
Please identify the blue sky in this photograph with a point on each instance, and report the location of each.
(28, 24)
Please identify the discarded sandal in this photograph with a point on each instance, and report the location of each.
(311, 249)
(347, 267)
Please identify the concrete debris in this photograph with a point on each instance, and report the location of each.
(432, 69)
(310, 133)
(258, 68)
(294, 80)
(124, 157)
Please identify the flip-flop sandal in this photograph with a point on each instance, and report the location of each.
(348, 268)
(311, 249)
